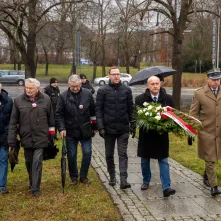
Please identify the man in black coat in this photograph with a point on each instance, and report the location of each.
(74, 114)
(151, 144)
(5, 112)
(53, 91)
(114, 108)
(33, 113)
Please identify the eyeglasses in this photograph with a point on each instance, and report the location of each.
(73, 87)
(116, 75)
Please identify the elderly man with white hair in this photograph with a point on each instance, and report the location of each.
(151, 144)
(33, 119)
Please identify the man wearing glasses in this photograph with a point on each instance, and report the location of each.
(74, 113)
(114, 108)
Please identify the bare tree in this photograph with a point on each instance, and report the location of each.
(178, 14)
(24, 18)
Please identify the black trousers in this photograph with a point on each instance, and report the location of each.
(33, 161)
(122, 142)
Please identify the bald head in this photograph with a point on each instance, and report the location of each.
(152, 78)
(153, 83)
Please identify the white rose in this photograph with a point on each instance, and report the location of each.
(140, 112)
(145, 104)
(165, 108)
(150, 107)
(150, 114)
(145, 110)
(158, 114)
(158, 108)
(147, 114)
(157, 117)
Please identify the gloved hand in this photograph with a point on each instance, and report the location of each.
(102, 133)
(133, 128)
(51, 137)
(190, 140)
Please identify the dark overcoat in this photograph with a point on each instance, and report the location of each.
(151, 144)
(73, 118)
(53, 93)
(5, 112)
(33, 121)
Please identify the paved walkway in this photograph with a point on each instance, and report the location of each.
(192, 200)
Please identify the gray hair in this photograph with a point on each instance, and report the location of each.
(33, 80)
(0, 87)
(74, 78)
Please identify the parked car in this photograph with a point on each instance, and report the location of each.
(12, 77)
(125, 79)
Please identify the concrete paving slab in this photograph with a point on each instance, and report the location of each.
(170, 208)
(192, 200)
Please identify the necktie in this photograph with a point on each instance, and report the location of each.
(155, 99)
(214, 92)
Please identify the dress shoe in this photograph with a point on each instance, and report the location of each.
(125, 185)
(74, 182)
(167, 192)
(84, 180)
(3, 190)
(112, 181)
(36, 193)
(144, 186)
(206, 182)
(215, 191)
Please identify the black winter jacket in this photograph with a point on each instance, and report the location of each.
(87, 85)
(73, 113)
(53, 93)
(34, 120)
(5, 112)
(151, 144)
(114, 108)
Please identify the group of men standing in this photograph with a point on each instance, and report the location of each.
(77, 118)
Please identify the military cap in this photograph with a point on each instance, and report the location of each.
(214, 74)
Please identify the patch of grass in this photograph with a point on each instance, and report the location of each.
(62, 72)
(187, 155)
(80, 202)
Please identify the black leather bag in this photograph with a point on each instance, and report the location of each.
(86, 130)
(50, 152)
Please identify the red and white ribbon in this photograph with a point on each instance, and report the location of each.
(186, 127)
(51, 130)
(93, 119)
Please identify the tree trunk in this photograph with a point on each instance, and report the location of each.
(19, 65)
(46, 59)
(94, 71)
(31, 40)
(177, 65)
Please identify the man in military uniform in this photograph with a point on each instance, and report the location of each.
(206, 105)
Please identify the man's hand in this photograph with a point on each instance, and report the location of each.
(63, 134)
(133, 132)
(133, 128)
(102, 133)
